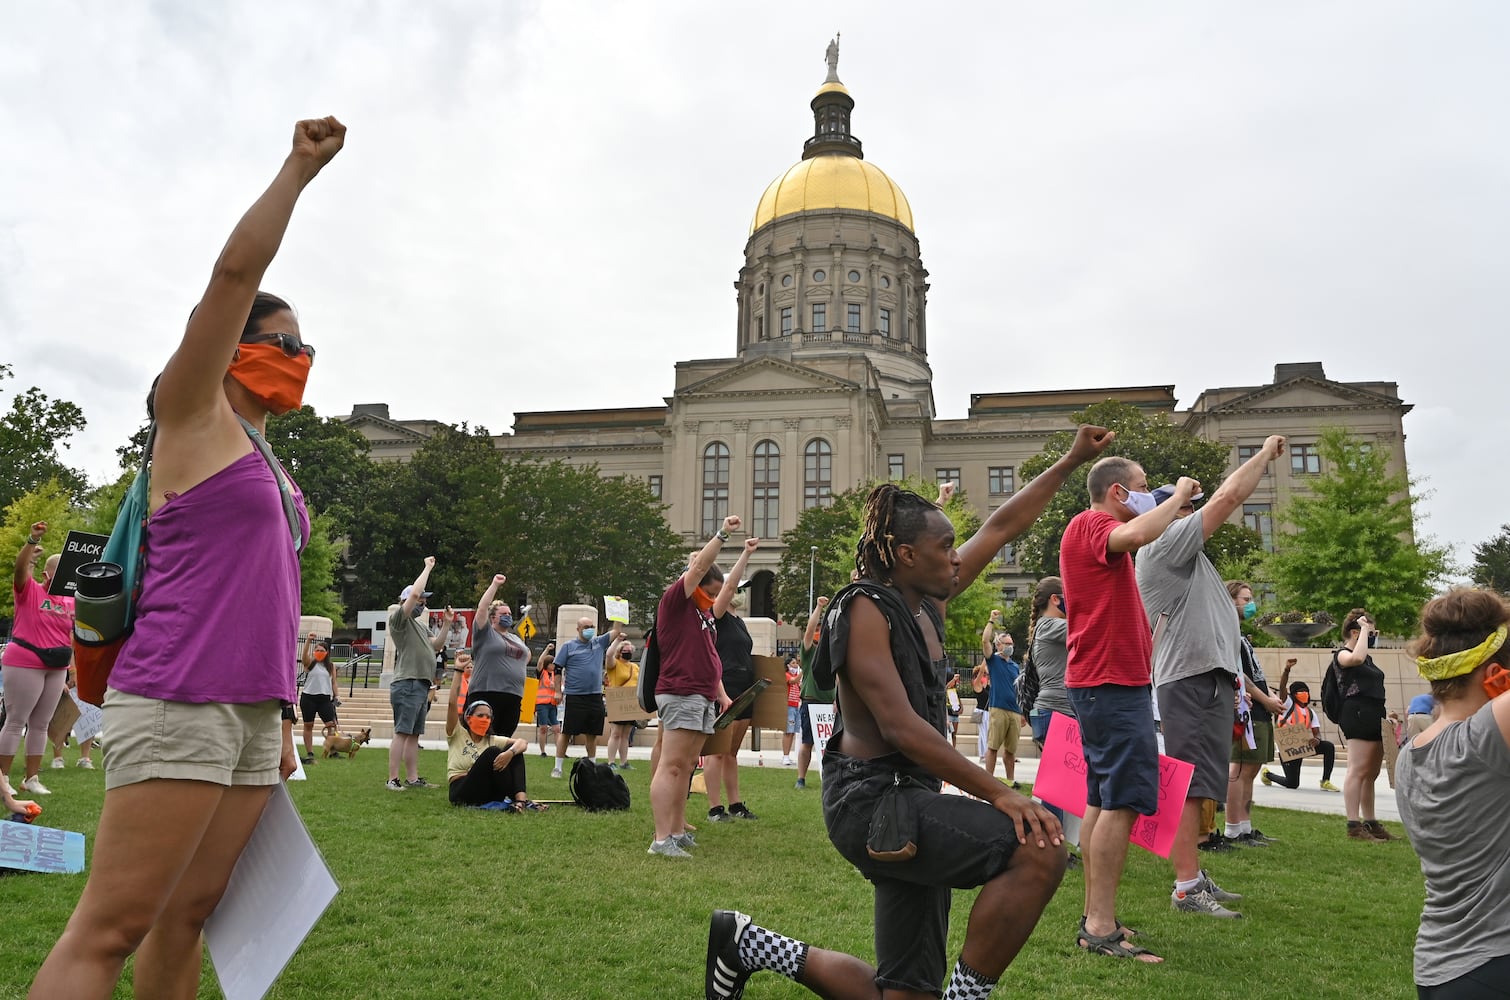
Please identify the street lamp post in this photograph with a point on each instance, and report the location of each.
(812, 558)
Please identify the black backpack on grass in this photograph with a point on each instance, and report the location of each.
(597, 787)
(1331, 692)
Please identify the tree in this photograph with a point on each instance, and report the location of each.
(318, 564)
(32, 434)
(52, 502)
(1236, 551)
(328, 459)
(1165, 451)
(1355, 542)
(836, 530)
(1491, 562)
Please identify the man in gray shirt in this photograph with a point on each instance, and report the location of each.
(414, 652)
(1195, 663)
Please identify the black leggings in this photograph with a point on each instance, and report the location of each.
(505, 710)
(482, 784)
(1487, 982)
(1328, 751)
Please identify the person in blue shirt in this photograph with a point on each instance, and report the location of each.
(1005, 725)
(579, 664)
(1419, 715)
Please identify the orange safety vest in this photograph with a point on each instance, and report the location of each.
(545, 694)
(1299, 715)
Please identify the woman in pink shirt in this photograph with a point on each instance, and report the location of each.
(35, 662)
(192, 755)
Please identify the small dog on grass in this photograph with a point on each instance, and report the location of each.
(337, 743)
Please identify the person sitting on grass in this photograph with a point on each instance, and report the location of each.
(484, 770)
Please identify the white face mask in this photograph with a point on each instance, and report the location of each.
(1139, 503)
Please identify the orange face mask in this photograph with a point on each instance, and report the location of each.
(1302, 697)
(702, 600)
(479, 725)
(273, 378)
(321, 654)
(1496, 681)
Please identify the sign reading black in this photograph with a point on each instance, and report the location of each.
(79, 547)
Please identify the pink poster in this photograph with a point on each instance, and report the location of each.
(1061, 782)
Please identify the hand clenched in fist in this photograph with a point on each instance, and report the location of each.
(319, 140)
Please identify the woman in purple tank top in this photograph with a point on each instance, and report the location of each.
(193, 755)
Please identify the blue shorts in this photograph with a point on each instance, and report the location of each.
(545, 717)
(793, 719)
(1120, 747)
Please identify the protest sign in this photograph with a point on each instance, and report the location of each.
(33, 848)
(622, 704)
(277, 892)
(79, 547)
(821, 718)
(63, 719)
(616, 609)
(1061, 782)
(1294, 743)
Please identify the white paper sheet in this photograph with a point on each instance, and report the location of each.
(278, 891)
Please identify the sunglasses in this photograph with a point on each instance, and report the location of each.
(291, 345)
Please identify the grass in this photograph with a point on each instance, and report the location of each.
(439, 902)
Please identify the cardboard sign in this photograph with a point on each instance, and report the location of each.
(63, 719)
(1294, 743)
(79, 547)
(821, 718)
(770, 706)
(41, 849)
(616, 609)
(1061, 781)
(1391, 741)
(622, 705)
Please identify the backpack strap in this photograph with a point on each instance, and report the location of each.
(285, 485)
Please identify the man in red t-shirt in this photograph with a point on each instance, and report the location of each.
(793, 707)
(1108, 680)
(689, 693)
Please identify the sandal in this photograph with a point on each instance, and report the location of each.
(1126, 930)
(532, 806)
(1113, 945)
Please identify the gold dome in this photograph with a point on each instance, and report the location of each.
(825, 182)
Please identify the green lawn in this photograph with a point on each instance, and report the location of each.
(443, 902)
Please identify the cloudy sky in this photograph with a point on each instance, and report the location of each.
(544, 205)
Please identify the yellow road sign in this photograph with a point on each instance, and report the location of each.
(526, 628)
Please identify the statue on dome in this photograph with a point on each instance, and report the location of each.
(832, 56)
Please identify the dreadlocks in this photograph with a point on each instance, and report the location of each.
(893, 516)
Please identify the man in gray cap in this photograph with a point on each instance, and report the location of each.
(414, 652)
(1195, 663)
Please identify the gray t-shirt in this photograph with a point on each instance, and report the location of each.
(413, 656)
(1454, 797)
(498, 661)
(1176, 578)
(1050, 658)
(317, 681)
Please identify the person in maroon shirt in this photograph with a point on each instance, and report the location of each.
(1108, 679)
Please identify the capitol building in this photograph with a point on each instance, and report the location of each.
(828, 385)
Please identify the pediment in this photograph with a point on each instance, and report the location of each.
(1306, 393)
(767, 375)
(377, 429)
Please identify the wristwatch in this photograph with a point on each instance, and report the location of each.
(723, 535)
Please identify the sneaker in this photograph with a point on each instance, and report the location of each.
(394, 785)
(626, 766)
(1357, 831)
(1216, 844)
(86, 763)
(613, 765)
(1266, 777)
(1250, 839)
(787, 762)
(57, 764)
(742, 811)
(1260, 837)
(556, 771)
(667, 848)
(542, 753)
(726, 974)
(1327, 786)
(1217, 892)
(418, 783)
(717, 815)
(1377, 831)
(308, 758)
(684, 840)
(1197, 901)
(801, 783)
(35, 786)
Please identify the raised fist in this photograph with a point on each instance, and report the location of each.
(732, 522)
(1274, 445)
(39, 529)
(1090, 441)
(498, 580)
(429, 562)
(751, 544)
(319, 140)
(946, 493)
(822, 601)
(1191, 486)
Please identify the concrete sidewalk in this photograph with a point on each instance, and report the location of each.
(1307, 798)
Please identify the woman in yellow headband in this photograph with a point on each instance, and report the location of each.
(1452, 788)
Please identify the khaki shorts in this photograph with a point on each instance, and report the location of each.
(1263, 735)
(147, 738)
(1004, 731)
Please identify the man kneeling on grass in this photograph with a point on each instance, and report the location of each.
(882, 640)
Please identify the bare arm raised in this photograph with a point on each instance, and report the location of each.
(707, 556)
(731, 583)
(1240, 485)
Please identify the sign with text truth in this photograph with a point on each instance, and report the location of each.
(1061, 781)
(1294, 743)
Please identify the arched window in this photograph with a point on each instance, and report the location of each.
(764, 522)
(715, 486)
(817, 474)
